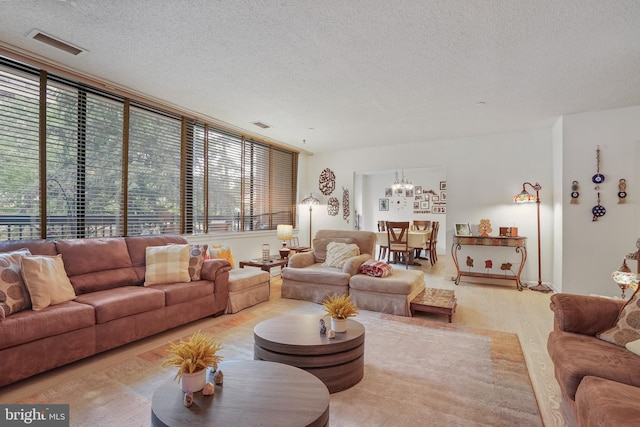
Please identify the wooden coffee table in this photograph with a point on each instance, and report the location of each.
(254, 393)
(296, 340)
(435, 301)
(265, 265)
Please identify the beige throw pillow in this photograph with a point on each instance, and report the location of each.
(46, 280)
(14, 295)
(167, 264)
(339, 253)
(627, 328)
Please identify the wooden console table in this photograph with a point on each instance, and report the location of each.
(519, 243)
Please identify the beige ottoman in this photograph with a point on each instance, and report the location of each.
(391, 294)
(247, 287)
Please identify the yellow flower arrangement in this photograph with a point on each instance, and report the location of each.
(339, 306)
(195, 354)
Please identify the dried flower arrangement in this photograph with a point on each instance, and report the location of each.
(339, 306)
(197, 353)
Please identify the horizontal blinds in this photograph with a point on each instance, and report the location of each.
(225, 177)
(283, 190)
(19, 185)
(195, 178)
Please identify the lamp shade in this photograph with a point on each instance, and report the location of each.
(524, 197)
(310, 200)
(285, 232)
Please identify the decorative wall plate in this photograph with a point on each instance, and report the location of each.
(598, 210)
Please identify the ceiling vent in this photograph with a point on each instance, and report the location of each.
(261, 125)
(55, 42)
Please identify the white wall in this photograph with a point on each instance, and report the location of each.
(483, 173)
(592, 250)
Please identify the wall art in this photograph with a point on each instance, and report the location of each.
(388, 192)
(327, 182)
(333, 206)
(443, 185)
(346, 209)
(383, 204)
(574, 193)
(622, 191)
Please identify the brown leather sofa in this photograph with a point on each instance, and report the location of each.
(112, 307)
(599, 381)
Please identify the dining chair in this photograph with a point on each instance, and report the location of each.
(398, 239)
(420, 225)
(433, 242)
(382, 250)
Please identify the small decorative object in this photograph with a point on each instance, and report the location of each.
(506, 266)
(469, 262)
(208, 389)
(327, 182)
(323, 327)
(508, 232)
(488, 264)
(598, 178)
(574, 193)
(346, 210)
(340, 308)
(598, 210)
(485, 227)
(188, 399)
(218, 377)
(266, 252)
(622, 191)
(333, 206)
(463, 230)
(331, 334)
(193, 357)
(624, 278)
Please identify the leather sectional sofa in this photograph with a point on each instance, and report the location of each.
(600, 381)
(111, 308)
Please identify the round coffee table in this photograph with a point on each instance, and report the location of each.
(254, 393)
(296, 340)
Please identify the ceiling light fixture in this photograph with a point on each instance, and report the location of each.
(402, 184)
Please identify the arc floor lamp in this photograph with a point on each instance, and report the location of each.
(526, 197)
(310, 201)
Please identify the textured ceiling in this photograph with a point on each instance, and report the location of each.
(342, 74)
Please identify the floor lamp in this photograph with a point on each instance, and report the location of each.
(526, 197)
(310, 201)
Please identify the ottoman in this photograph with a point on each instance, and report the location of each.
(391, 294)
(247, 287)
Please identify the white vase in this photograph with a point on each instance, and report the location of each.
(339, 325)
(194, 382)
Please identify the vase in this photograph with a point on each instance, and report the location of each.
(194, 382)
(339, 325)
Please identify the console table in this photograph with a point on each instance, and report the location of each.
(519, 243)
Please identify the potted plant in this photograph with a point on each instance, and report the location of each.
(340, 308)
(192, 358)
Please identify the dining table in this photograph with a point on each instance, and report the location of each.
(417, 239)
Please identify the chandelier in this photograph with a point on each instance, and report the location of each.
(402, 184)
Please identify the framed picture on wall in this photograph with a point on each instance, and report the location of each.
(424, 204)
(463, 230)
(388, 192)
(416, 205)
(418, 189)
(435, 198)
(443, 185)
(383, 204)
(443, 196)
(408, 193)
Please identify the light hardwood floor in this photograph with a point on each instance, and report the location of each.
(496, 307)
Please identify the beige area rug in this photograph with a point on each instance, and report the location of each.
(417, 372)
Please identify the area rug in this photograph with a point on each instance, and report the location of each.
(417, 372)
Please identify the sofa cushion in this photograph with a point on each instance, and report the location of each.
(575, 356)
(167, 264)
(317, 274)
(14, 295)
(90, 270)
(627, 327)
(112, 304)
(28, 325)
(600, 402)
(401, 282)
(243, 278)
(338, 253)
(196, 260)
(36, 247)
(176, 293)
(46, 280)
(320, 246)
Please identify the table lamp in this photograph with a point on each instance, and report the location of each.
(285, 232)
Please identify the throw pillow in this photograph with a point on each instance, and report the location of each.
(633, 346)
(627, 327)
(339, 253)
(375, 268)
(46, 280)
(14, 295)
(320, 246)
(196, 260)
(221, 252)
(167, 264)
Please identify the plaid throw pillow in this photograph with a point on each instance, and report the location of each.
(167, 264)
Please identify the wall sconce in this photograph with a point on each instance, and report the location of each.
(285, 232)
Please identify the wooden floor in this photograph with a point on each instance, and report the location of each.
(496, 307)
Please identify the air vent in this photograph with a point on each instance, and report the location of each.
(261, 125)
(54, 42)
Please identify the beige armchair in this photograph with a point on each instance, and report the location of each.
(307, 279)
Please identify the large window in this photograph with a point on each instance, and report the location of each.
(80, 162)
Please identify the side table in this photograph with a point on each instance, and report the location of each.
(265, 265)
